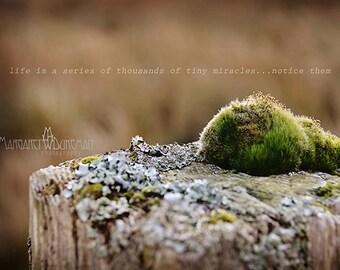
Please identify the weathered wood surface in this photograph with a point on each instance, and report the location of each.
(281, 223)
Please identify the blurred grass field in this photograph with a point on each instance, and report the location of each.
(112, 108)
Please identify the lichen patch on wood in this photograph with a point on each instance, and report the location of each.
(150, 207)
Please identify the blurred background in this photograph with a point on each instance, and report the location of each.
(111, 108)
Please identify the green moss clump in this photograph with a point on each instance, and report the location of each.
(89, 159)
(133, 196)
(137, 197)
(329, 190)
(85, 160)
(259, 136)
(222, 215)
(93, 191)
(144, 197)
(128, 194)
(151, 191)
(323, 152)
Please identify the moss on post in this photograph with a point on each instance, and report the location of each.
(259, 136)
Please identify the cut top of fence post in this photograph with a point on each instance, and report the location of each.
(161, 207)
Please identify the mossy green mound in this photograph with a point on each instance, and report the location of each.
(259, 136)
(329, 190)
(323, 152)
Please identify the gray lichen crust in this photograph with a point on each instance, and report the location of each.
(160, 207)
(163, 157)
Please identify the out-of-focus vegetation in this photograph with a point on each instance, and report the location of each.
(112, 108)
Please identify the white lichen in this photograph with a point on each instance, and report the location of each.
(101, 209)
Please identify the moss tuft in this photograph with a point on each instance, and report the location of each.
(222, 215)
(151, 191)
(128, 194)
(85, 160)
(89, 159)
(137, 197)
(93, 191)
(323, 152)
(259, 136)
(329, 190)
